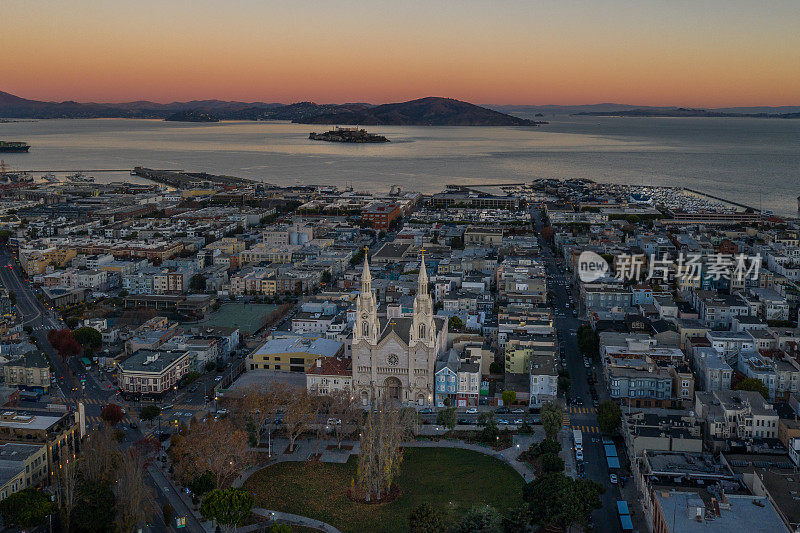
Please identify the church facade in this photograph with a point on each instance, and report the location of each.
(395, 358)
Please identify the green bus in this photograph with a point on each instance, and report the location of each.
(87, 364)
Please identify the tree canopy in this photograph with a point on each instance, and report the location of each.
(427, 519)
(112, 414)
(88, 338)
(755, 385)
(27, 508)
(552, 418)
(229, 507)
(609, 417)
(558, 501)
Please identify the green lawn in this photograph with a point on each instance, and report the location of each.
(452, 479)
(247, 317)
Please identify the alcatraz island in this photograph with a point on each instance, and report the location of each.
(348, 135)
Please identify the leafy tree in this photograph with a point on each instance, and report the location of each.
(588, 342)
(150, 412)
(552, 418)
(755, 385)
(551, 462)
(549, 446)
(490, 432)
(427, 519)
(495, 368)
(229, 507)
(112, 414)
(548, 233)
(479, 519)
(563, 384)
(279, 528)
(4, 236)
(88, 338)
(447, 417)
(63, 341)
(455, 324)
(609, 417)
(94, 509)
(509, 397)
(197, 283)
(202, 484)
(558, 501)
(27, 508)
(326, 277)
(516, 519)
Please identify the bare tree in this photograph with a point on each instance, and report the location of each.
(219, 447)
(100, 455)
(346, 413)
(380, 456)
(135, 498)
(301, 413)
(257, 404)
(66, 484)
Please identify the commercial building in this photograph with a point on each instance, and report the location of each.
(151, 373)
(295, 354)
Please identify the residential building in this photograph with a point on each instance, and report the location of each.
(736, 415)
(32, 370)
(329, 375)
(22, 466)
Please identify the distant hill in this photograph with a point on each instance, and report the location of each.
(609, 109)
(431, 111)
(683, 112)
(425, 111)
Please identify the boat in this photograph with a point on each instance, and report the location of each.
(14, 146)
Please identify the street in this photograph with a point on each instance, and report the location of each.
(582, 417)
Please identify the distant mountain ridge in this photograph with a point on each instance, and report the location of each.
(613, 109)
(434, 111)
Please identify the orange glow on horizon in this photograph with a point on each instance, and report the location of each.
(483, 52)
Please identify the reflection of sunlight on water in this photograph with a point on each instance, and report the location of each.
(734, 158)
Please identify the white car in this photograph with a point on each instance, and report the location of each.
(613, 478)
(472, 411)
(579, 454)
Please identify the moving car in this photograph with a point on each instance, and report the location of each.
(613, 478)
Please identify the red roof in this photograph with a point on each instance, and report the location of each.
(332, 366)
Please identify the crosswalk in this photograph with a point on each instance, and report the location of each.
(96, 420)
(583, 410)
(587, 429)
(565, 418)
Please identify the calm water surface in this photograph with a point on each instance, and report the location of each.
(754, 161)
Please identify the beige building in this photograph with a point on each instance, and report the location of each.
(736, 414)
(56, 430)
(32, 370)
(150, 373)
(396, 357)
(21, 466)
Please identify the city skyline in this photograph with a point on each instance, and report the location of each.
(718, 54)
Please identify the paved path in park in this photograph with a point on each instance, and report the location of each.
(285, 518)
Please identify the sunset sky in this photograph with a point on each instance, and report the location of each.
(708, 53)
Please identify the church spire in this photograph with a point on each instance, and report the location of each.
(422, 282)
(367, 325)
(366, 277)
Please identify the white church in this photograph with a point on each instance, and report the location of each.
(395, 357)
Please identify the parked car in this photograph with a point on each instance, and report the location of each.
(501, 410)
(613, 478)
(472, 411)
(518, 411)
